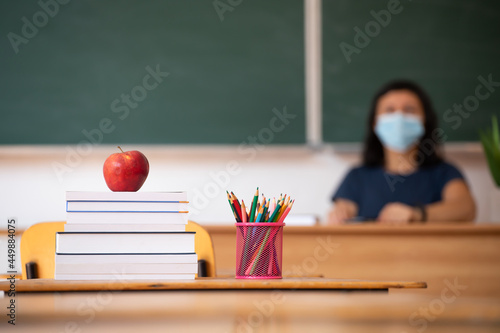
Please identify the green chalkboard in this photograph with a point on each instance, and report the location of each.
(229, 64)
(444, 45)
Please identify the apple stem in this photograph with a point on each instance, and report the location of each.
(120, 148)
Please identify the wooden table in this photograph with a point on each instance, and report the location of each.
(45, 285)
(468, 255)
(248, 311)
(437, 254)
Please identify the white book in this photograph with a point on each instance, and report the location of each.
(123, 277)
(126, 268)
(108, 227)
(150, 258)
(124, 242)
(126, 196)
(126, 206)
(127, 218)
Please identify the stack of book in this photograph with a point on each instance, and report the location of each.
(125, 236)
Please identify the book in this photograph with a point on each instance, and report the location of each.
(124, 277)
(126, 268)
(148, 258)
(126, 218)
(126, 206)
(137, 227)
(126, 196)
(124, 242)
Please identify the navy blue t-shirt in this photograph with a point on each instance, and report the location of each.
(371, 188)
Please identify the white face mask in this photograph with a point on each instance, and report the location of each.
(398, 131)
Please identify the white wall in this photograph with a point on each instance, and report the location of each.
(31, 190)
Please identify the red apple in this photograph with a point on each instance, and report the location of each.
(126, 171)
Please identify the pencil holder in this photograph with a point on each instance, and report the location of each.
(259, 247)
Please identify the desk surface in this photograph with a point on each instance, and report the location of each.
(431, 253)
(255, 311)
(44, 285)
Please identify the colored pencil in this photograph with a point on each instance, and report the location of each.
(264, 243)
(244, 216)
(238, 211)
(232, 207)
(282, 210)
(286, 212)
(272, 218)
(272, 206)
(237, 205)
(254, 206)
(266, 209)
(259, 215)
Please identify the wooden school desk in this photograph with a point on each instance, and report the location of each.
(204, 284)
(68, 300)
(468, 253)
(249, 311)
(437, 255)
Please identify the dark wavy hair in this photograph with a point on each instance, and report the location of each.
(429, 152)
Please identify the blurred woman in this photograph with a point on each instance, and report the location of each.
(403, 178)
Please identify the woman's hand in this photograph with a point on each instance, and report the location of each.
(342, 210)
(398, 213)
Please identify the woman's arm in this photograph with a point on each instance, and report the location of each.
(343, 209)
(457, 205)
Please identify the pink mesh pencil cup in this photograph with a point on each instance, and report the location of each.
(259, 247)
